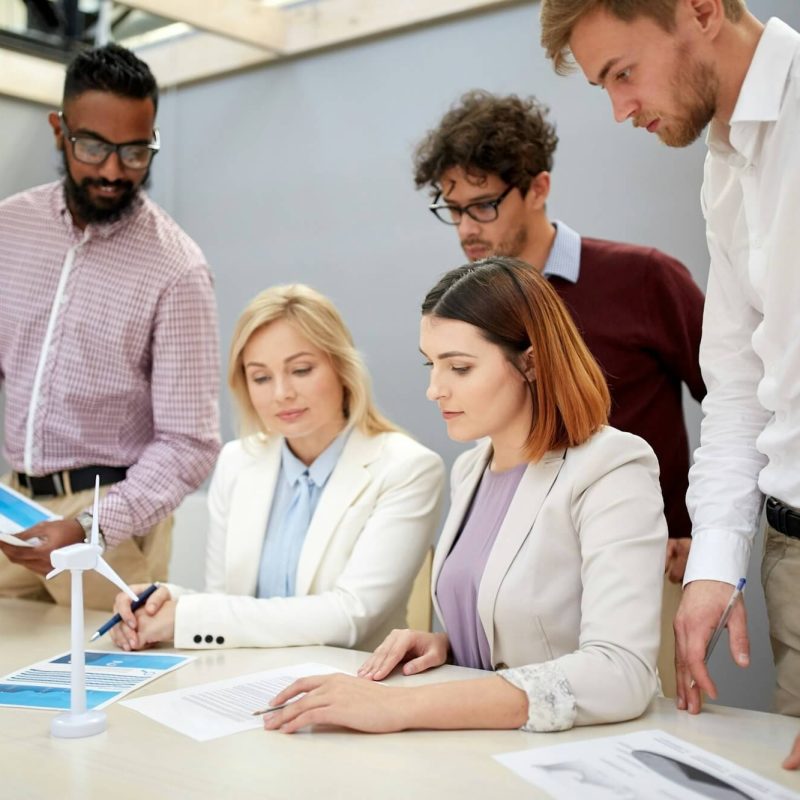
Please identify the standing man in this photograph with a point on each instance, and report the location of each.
(488, 164)
(673, 67)
(108, 340)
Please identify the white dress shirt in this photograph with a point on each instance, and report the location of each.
(750, 352)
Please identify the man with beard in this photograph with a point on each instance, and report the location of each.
(672, 67)
(488, 164)
(108, 340)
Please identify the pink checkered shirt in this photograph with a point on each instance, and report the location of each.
(108, 353)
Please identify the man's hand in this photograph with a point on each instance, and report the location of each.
(698, 615)
(677, 554)
(793, 759)
(55, 534)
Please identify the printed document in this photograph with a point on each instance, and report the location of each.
(18, 513)
(648, 764)
(109, 676)
(211, 710)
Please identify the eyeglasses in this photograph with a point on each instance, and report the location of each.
(91, 150)
(482, 211)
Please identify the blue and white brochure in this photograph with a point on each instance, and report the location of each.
(18, 513)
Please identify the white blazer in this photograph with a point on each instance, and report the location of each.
(375, 521)
(574, 578)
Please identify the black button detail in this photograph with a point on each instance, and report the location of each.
(209, 638)
(198, 638)
(220, 640)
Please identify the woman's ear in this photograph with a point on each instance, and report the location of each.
(528, 369)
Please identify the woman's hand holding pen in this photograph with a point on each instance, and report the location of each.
(419, 650)
(151, 624)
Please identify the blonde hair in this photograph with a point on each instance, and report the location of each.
(516, 308)
(316, 318)
(559, 17)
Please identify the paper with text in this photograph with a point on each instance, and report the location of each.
(211, 710)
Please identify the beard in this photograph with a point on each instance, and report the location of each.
(99, 210)
(511, 247)
(695, 86)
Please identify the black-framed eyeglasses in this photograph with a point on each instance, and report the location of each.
(91, 150)
(482, 211)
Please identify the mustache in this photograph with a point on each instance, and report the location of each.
(473, 241)
(103, 183)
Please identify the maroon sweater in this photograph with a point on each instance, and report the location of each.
(641, 315)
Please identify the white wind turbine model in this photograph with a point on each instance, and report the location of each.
(78, 558)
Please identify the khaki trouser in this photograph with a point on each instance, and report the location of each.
(140, 559)
(666, 654)
(780, 576)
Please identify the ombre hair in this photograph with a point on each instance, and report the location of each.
(559, 17)
(515, 308)
(316, 318)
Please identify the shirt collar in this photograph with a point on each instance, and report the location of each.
(761, 96)
(564, 260)
(320, 469)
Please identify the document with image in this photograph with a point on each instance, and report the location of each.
(17, 513)
(648, 764)
(109, 676)
(211, 710)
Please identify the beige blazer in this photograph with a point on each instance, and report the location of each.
(375, 521)
(576, 571)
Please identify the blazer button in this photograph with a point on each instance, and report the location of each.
(500, 665)
(209, 638)
(198, 638)
(220, 640)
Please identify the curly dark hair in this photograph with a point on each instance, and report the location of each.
(486, 134)
(113, 69)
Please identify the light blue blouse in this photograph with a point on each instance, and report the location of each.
(297, 493)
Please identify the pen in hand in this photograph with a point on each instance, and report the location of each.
(723, 621)
(116, 619)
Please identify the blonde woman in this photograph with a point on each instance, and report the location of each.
(320, 515)
(548, 572)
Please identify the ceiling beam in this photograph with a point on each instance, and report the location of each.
(30, 78)
(242, 20)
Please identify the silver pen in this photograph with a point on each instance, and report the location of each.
(723, 621)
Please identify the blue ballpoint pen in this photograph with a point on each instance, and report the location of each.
(116, 619)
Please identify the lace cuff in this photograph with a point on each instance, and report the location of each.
(551, 703)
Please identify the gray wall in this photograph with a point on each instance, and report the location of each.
(301, 172)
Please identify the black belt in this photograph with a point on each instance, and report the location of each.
(57, 484)
(783, 518)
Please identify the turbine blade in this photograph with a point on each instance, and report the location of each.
(109, 573)
(53, 573)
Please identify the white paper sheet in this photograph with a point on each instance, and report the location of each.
(211, 710)
(648, 765)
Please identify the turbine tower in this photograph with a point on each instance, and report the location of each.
(78, 558)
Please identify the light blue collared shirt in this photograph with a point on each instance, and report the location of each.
(565, 254)
(297, 494)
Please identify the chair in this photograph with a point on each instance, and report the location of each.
(418, 612)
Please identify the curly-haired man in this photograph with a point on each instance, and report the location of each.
(488, 165)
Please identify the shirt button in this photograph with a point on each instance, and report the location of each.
(220, 640)
(209, 638)
(198, 638)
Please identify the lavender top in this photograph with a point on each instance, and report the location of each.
(460, 577)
